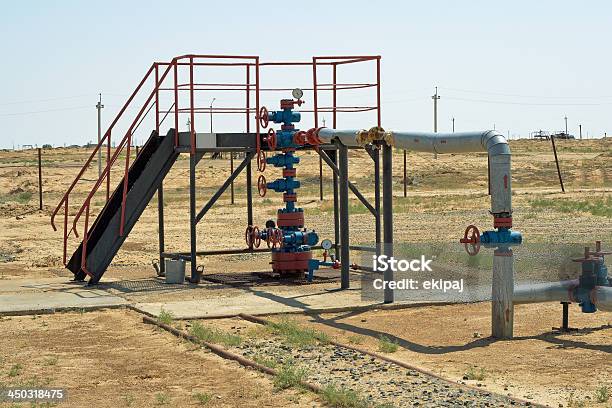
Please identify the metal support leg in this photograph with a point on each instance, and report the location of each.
(160, 221)
(192, 217)
(334, 156)
(378, 225)
(320, 179)
(565, 322)
(249, 194)
(231, 171)
(388, 214)
(344, 216)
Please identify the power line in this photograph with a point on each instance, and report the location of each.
(43, 111)
(526, 103)
(525, 96)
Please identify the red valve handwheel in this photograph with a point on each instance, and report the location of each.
(263, 117)
(277, 238)
(261, 160)
(248, 236)
(271, 139)
(471, 240)
(261, 186)
(269, 237)
(255, 237)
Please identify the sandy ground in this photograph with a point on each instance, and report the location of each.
(539, 364)
(444, 196)
(111, 359)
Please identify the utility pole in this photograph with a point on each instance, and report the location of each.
(99, 107)
(435, 98)
(580, 129)
(565, 125)
(211, 114)
(453, 125)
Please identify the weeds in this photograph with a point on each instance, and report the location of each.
(386, 345)
(354, 339)
(162, 399)
(165, 317)
(596, 206)
(296, 335)
(203, 398)
(289, 376)
(214, 335)
(341, 397)
(50, 361)
(21, 197)
(15, 370)
(265, 361)
(602, 394)
(573, 402)
(129, 400)
(473, 374)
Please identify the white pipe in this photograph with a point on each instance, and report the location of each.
(560, 292)
(489, 141)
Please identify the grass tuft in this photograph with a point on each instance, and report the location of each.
(340, 397)
(165, 317)
(207, 334)
(162, 399)
(596, 206)
(386, 345)
(473, 374)
(15, 370)
(355, 339)
(289, 376)
(602, 394)
(203, 398)
(296, 335)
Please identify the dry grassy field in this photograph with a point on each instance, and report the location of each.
(445, 194)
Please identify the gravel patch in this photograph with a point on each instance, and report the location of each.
(380, 383)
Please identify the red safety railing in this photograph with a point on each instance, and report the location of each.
(160, 72)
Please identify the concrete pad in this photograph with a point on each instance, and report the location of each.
(32, 296)
(262, 302)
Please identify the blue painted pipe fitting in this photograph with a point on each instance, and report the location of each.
(285, 116)
(282, 160)
(583, 297)
(501, 236)
(283, 185)
(301, 238)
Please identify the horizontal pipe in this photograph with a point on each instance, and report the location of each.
(489, 141)
(560, 292)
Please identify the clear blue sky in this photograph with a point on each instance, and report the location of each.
(520, 65)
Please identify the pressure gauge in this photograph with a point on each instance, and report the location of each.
(297, 93)
(326, 244)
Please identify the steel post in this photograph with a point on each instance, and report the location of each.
(344, 216)
(160, 222)
(388, 215)
(502, 310)
(192, 216)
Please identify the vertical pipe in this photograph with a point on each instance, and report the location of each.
(565, 322)
(40, 200)
(232, 172)
(314, 92)
(249, 191)
(388, 215)
(192, 217)
(257, 125)
(502, 309)
(334, 158)
(378, 91)
(176, 104)
(108, 156)
(344, 217)
(191, 108)
(378, 225)
(488, 174)
(157, 98)
(405, 176)
(552, 139)
(160, 223)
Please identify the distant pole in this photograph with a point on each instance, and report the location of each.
(565, 125)
(453, 125)
(40, 201)
(211, 114)
(99, 107)
(580, 128)
(435, 98)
